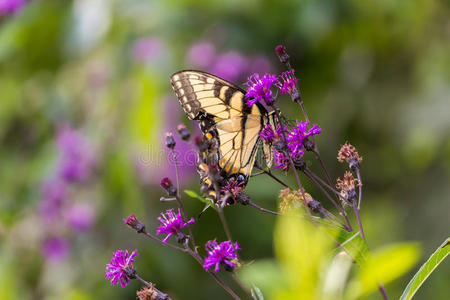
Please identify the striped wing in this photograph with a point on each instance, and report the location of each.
(219, 106)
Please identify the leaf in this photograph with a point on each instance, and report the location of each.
(352, 243)
(384, 265)
(256, 293)
(194, 195)
(426, 269)
(266, 274)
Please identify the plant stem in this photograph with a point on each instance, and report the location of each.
(242, 285)
(269, 173)
(164, 244)
(291, 162)
(358, 174)
(180, 203)
(264, 209)
(224, 223)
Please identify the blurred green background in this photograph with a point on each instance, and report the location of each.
(93, 75)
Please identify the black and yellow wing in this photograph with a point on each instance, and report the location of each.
(220, 107)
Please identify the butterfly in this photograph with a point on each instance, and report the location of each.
(226, 120)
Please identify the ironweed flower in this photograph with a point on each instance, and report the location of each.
(299, 133)
(55, 249)
(201, 55)
(234, 188)
(268, 134)
(229, 66)
(289, 83)
(172, 223)
(349, 154)
(259, 89)
(281, 159)
(120, 265)
(77, 160)
(11, 6)
(223, 253)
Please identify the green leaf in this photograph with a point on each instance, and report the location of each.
(256, 293)
(384, 265)
(352, 243)
(426, 269)
(194, 195)
(265, 273)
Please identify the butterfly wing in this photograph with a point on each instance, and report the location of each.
(220, 107)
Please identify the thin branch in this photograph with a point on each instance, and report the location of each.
(242, 285)
(264, 209)
(180, 203)
(269, 173)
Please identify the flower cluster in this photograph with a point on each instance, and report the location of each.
(172, 223)
(119, 266)
(223, 253)
(296, 142)
(259, 89)
(74, 166)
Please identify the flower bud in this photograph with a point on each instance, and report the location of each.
(170, 141)
(166, 184)
(134, 223)
(282, 55)
(183, 132)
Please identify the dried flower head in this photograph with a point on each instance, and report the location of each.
(221, 254)
(147, 293)
(119, 266)
(292, 199)
(349, 154)
(172, 223)
(347, 186)
(259, 89)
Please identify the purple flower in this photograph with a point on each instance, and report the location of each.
(54, 194)
(224, 252)
(259, 89)
(201, 55)
(55, 249)
(229, 66)
(296, 136)
(147, 49)
(289, 82)
(115, 270)
(171, 223)
(80, 216)
(76, 157)
(10, 6)
(259, 64)
(267, 134)
(281, 160)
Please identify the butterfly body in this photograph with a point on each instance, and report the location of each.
(225, 120)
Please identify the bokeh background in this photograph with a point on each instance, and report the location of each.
(85, 101)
